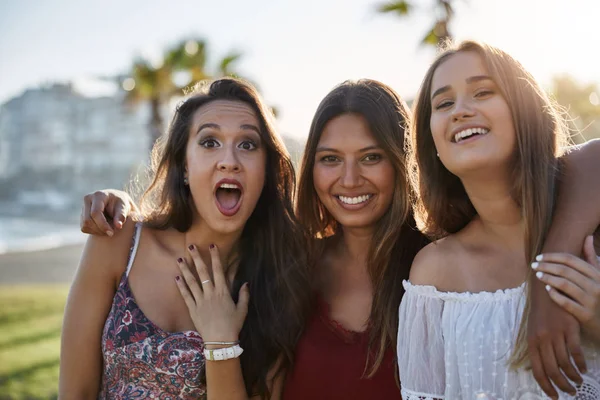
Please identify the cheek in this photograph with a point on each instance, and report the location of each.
(387, 179)
(437, 124)
(257, 170)
(323, 177)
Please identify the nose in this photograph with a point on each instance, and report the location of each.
(229, 162)
(350, 175)
(462, 110)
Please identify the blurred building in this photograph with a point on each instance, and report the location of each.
(59, 142)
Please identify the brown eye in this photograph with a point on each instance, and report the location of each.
(209, 143)
(247, 145)
(372, 157)
(329, 159)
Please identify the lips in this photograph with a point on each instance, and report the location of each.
(354, 202)
(228, 196)
(468, 132)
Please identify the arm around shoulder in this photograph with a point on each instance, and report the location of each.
(102, 263)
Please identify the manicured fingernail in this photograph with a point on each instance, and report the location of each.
(212, 246)
(548, 288)
(191, 247)
(534, 265)
(539, 257)
(539, 274)
(109, 233)
(180, 260)
(177, 278)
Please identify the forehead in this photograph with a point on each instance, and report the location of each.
(347, 130)
(226, 114)
(457, 68)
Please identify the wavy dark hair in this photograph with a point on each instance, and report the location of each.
(396, 240)
(443, 206)
(271, 251)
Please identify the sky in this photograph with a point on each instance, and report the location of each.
(295, 51)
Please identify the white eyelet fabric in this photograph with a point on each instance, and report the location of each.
(457, 345)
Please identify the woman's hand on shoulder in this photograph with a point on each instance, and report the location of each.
(215, 315)
(574, 284)
(102, 205)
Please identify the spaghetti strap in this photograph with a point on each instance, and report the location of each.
(134, 247)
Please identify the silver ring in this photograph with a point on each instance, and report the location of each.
(203, 282)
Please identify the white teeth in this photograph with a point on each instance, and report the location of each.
(228, 186)
(470, 132)
(354, 200)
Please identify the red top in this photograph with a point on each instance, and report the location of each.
(330, 361)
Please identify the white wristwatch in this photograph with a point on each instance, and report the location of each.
(223, 354)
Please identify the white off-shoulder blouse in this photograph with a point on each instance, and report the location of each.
(457, 345)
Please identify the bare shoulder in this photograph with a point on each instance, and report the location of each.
(110, 254)
(584, 157)
(435, 265)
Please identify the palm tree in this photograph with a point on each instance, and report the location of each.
(442, 9)
(156, 83)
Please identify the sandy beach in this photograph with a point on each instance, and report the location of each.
(47, 266)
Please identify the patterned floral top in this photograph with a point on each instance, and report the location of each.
(141, 361)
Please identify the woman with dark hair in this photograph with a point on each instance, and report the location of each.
(485, 149)
(140, 322)
(353, 200)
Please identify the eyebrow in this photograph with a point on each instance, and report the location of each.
(471, 79)
(217, 126)
(374, 147)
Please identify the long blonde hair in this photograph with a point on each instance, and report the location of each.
(442, 206)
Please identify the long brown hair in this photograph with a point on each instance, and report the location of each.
(442, 205)
(271, 251)
(396, 239)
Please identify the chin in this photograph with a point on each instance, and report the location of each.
(474, 164)
(356, 223)
(226, 227)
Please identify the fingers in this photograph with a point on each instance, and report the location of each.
(539, 373)
(551, 367)
(203, 275)
(92, 219)
(567, 287)
(568, 262)
(582, 314)
(564, 362)
(190, 280)
(573, 338)
(185, 293)
(217, 270)
(120, 210)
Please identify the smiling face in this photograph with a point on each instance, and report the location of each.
(225, 164)
(352, 175)
(471, 122)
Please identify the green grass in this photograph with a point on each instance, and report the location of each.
(30, 325)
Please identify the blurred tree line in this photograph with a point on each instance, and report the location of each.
(580, 101)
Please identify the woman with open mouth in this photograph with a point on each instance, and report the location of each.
(206, 295)
(354, 199)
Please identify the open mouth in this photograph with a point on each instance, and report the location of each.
(470, 133)
(228, 197)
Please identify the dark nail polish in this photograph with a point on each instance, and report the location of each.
(177, 278)
(212, 246)
(191, 247)
(180, 260)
